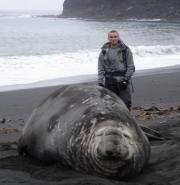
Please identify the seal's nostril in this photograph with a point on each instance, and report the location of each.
(115, 142)
(109, 153)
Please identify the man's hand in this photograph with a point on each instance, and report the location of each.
(123, 84)
(125, 79)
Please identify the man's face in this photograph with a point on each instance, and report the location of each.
(113, 38)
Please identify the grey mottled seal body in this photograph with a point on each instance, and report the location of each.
(89, 129)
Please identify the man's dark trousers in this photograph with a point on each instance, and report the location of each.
(123, 93)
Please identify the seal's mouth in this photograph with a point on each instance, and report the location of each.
(109, 155)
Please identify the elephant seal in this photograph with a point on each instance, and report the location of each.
(89, 129)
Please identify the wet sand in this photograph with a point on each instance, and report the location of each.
(159, 88)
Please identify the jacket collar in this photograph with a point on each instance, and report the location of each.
(121, 45)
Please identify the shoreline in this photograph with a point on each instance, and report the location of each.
(159, 87)
(84, 79)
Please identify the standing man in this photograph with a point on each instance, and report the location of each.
(116, 67)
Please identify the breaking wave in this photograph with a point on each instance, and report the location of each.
(28, 69)
(146, 20)
(155, 50)
(11, 16)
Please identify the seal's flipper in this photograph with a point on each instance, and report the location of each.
(151, 133)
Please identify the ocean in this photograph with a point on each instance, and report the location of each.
(35, 48)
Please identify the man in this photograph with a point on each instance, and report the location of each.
(116, 67)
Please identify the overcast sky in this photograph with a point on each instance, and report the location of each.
(31, 4)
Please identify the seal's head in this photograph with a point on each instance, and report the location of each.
(113, 148)
(112, 144)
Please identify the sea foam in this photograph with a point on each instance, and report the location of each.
(28, 69)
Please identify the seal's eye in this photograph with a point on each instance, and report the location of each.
(98, 134)
(126, 136)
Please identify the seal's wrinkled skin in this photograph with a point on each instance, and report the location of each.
(89, 129)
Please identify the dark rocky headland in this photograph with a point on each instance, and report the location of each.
(121, 9)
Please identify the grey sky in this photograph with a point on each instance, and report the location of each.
(31, 4)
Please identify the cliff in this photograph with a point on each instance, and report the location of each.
(122, 9)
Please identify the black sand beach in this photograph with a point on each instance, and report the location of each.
(157, 89)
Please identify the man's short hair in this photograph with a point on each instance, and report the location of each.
(114, 31)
